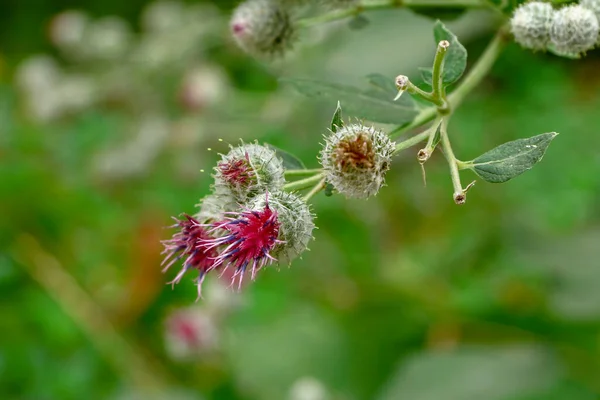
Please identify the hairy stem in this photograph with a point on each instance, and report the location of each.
(367, 5)
(303, 183)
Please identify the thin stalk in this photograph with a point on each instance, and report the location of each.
(405, 144)
(459, 193)
(316, 189)
(386, 4)
(303, 183)
(301, 172)
(438, 73)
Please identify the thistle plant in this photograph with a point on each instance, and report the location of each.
(263, 218)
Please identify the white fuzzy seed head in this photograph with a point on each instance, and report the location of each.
(574, 30)
(296, 223)
(592, 5)
(530, 25)
(248, 170)
(263, 28)
(355, 160)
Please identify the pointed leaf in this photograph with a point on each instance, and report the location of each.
(289, 160)
(456, 57)
(511, 159)
(383, 83)
(336, 121)
(373, 106)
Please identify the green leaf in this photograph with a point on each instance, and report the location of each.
(383, 83)
(358, 22)
(372, 106)
(511, 159)
(336, 121)
(290, 161)
(456, 57)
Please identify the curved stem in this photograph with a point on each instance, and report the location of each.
(303, 183)
(386, 4)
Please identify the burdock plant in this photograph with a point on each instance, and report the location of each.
(256, 215)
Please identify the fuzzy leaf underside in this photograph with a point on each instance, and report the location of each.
(374, 106)
(512, 159)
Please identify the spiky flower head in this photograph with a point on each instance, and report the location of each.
(248, 170)
(263, 28)
(274, 228)
(213, 206)
(355, 160)
(592, 5)
(296, 223)
(574, 30)
(185, 244)
(530, 24)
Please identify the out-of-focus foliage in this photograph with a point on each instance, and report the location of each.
(404, 296)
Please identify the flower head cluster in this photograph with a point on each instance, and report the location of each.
(355, 160)
(246, 224)
(569, 31)
(263, 28)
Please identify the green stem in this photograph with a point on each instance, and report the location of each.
(316, 189)
(459, 195)
(301, 172)
(471, 80)
(303, 183)
(405, 144)
(385, 4)
(438, 73)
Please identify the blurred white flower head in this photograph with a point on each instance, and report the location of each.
(189, 333)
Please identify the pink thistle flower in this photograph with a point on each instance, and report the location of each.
(186, 243)
(237, 172)
(248, 238)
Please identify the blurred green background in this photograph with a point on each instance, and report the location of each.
(105, 135)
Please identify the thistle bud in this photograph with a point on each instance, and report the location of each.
(530, 25)
(574, 30)
(355, 160)
(215, 205)
(248, 170)
(263, 28)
